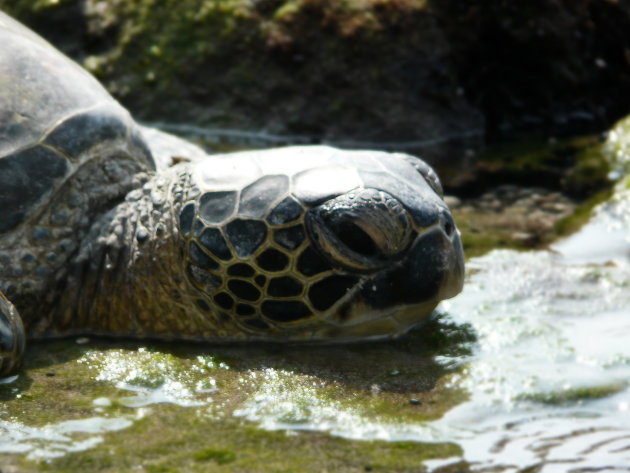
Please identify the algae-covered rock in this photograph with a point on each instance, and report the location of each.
(341, 71)
(114, 406)
(433, 77)
(616, 148)
(591, 172)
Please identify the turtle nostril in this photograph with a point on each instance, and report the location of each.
(449, 228)
(355, 238)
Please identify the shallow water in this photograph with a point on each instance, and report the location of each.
(527, 370)
(548, 381)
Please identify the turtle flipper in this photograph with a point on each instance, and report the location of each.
(12, 338)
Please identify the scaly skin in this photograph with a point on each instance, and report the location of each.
(11, 337)
(127, 277)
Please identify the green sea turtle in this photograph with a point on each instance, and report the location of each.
(290, 244)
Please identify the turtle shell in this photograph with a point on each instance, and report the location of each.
(54, 118)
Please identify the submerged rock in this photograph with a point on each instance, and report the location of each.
(509, 216)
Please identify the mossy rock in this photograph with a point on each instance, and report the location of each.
(332, 70)
(192, 424)
(436, 78)
(358, 71)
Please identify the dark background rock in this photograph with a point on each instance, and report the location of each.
(553, 66)
(441, 78)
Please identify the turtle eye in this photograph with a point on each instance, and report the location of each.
(361, 230)
(355, 238)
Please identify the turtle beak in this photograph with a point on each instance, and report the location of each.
(406, 294)
(432, 270)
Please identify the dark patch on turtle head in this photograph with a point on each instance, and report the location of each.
(257, 198)
(216, 207)
(246, 235)
(186, 217)
(212, 240)
(289, 210)
(290, 237)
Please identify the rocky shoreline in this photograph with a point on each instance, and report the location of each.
(450, 76)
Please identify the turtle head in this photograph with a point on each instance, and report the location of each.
(319, 243)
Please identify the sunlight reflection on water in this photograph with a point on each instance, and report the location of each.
(55, 440)
(549, 378)
(549, 381)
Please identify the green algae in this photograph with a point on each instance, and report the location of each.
(220, 456)
(610, 158)
(578, 166)
(479, 239)
(511, 227)
(575, 394)
(617, 146)
(591, 170)
(52, 389)
(194, 427)
(235, 448)
(582, 213)
(581, 168)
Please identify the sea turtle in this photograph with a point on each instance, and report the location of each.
(296, 244)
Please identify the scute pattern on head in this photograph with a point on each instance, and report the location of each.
(262, 269)
(252, 267)
(257, 198)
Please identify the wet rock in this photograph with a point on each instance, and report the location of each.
(510, 217)
(436, 78)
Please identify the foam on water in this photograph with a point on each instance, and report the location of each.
(55, 440)
(153, 378)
